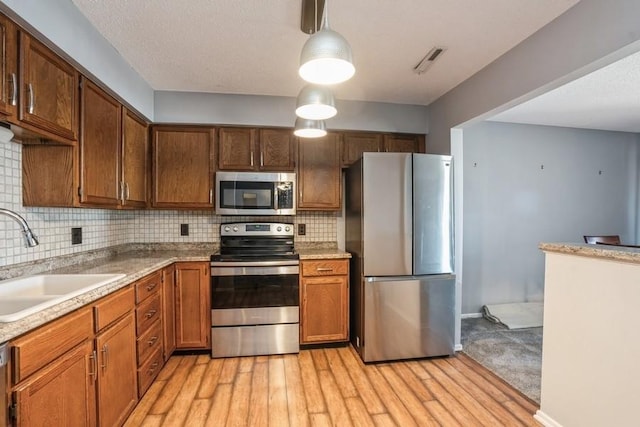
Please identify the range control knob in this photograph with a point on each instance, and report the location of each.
(279, 229)
(287, 229)
(235, 228)
(227, 228)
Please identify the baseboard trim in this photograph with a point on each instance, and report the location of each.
(457, 347)
(470, 315)
(545, 419)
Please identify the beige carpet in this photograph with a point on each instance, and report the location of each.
(516, 315)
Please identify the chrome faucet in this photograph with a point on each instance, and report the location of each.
(30, 238)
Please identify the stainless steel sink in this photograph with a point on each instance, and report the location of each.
(23, 296)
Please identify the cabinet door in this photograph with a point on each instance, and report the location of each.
(135, 159)
(277, 150)
(324, 309)
(100, 116)
(9, 66)
(193, 305)
(183, 164)
(402, 144)
(62, 394)
(117, 372)
(354, 144)
(48, 93)
(49, 175)
(237, 147)
(319, 173)
(169, 311)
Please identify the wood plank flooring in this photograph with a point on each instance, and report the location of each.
(329, 387)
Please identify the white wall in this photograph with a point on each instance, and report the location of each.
(526, 184)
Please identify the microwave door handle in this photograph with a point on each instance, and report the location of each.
(276, 205)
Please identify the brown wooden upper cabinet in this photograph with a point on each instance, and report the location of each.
(135, 160)
(319, 173)
(9, 65)
(250, 149)
(403, 143)
(354, 144)
(100, 145)
(183, 166)
(48, 95)
(277, 150)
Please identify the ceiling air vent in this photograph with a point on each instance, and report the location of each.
(428, 60)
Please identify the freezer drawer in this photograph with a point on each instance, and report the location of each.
(408, 317)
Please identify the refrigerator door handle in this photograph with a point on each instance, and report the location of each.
(407, 214)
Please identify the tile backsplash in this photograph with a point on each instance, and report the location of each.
(102, 228)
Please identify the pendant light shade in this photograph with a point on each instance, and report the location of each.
(305, 128)
(315, 103)
(326, 56)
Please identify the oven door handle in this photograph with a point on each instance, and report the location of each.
(255, 264)
(254, 270)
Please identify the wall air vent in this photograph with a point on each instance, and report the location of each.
(428, 60)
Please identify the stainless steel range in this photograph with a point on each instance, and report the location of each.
(255, 291)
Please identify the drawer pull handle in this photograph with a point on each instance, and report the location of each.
(151, 287)
(152, 340)
(151, 313)
(324, 269)
(153, 367)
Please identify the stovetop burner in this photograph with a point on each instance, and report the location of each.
(255, 241)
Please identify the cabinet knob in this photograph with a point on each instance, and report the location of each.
(150, 314)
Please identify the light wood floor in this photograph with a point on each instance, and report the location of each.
(329, 387)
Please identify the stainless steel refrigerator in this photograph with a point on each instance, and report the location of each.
(399, 231)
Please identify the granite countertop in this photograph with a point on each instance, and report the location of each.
(319, 253)
(609, 252)
(135, 261)
(134, 264)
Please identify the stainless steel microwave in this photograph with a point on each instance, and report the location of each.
(255, 193)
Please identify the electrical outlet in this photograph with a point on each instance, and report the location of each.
(184, 229)
(302, 229)
(76, 235)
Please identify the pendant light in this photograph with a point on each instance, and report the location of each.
(305, 128)
(326, 57)
(315, 103)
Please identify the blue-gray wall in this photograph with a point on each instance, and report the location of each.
(193, 107)
(526, 184)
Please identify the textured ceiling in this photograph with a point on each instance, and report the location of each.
(253, 46)
(607, 99)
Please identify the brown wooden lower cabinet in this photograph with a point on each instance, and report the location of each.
(79, 369)
(324, 301)
(148, 329)
(117, 386)
(62, 394)
(193, 306)
(168, 311)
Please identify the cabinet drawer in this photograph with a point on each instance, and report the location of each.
(42, 346)
(149, 342)
(325, 267)
(148, 286)
(109, 309)
(148, 372)
(147, 313)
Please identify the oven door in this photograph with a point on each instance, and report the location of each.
(254, 294)
(254, 309)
